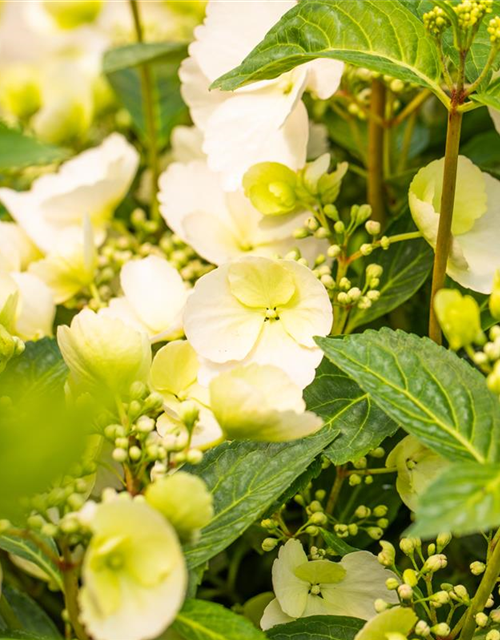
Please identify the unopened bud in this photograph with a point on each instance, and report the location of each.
(477, 568)
(268, 544)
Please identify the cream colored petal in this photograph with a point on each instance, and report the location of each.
(218, 326)
(481, 245)
(195, 90)
(187, 144)
(274, 615)
(121, 309)
(190, 188)
(16, 248)
(363, 584)
(36, 308)
(291, 592)
(323, 77)
(211, 237)
(175, 368)
(155, 290)
(309, 312)
(261, 283)
(266, 125)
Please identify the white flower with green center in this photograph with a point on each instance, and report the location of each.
(320, 587)
(260, 402)
(174, 374)
(258, 310)
(93, 183)
(154, 298)
(222, 226)
(264, 122)
(134, 577)
(474, 254)
(103, 354)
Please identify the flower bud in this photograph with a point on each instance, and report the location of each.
(380, 605)
(407, 546)
(495, 615)
(494, 634)
(439, 598)
(495, 297)
(459, 317)
(422, 629)
(435, 562)
(362, 512)
(443, 540)
(410, 577)
(477, 568)
(372, 227)
(271, 188)
(481, 619)
(312, 530)
(405, 592)
(375, 532)
(441, 629)
(392, 583)
(268, 544)
(460, 593)
(380, 510)
(318, 518)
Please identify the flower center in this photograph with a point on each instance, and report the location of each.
(315, 590)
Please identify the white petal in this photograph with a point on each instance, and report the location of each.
(121, 309)
(186, 144)
(190, 188)
(273, 615)
(291, 592)
(481, 245)
(323, 77)
(155, 290)
(211, 238)
(218, 326)
(36, 307)
(364, 582)
(195, 92)
(309, 313)
(252, 127)
(495, 116)
(231, 30)
(16, 249)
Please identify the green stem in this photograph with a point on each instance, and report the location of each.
(399, 237)
(406, 144)
(375, 186)
(489, 579)
(150, 115)
(70, 582)
(335, 492)
(444, 237)
(8, 614)
(411, 107)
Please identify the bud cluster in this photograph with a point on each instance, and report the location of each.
(471, 12)
(436, 21)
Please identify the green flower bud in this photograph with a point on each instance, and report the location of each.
(380, 605)
(495, 615)
(362, 512)
(375, 532)
(312, 530)
(405, 592)
(119, 455)
(477, 568)
(410, 577)
(459, 317)
(392, 583)
(271, 188)
(318, 518)
(339, 227)
(184, 500)
(189, 413)
(315, 506)
(435, 563)
(380, 511)
(422, 629)
(439, 598)
(407, 546)
(443, 540)
(372, 227)
(494, 634)
(441, 629)
(333, 251)
(69, 14)
(268, 544)
(481, 619)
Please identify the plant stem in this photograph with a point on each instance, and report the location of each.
(411, 107)
(335, 492)
(484, 590)
(8, 614)
(444, 237)
(70, 581)
(375, 185)
(400, 237)
(149, 112)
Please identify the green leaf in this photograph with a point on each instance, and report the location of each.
(200, 620)
(318, 628)
(344, 406)
(430, 391)
(245, 479)
(406, 267)
(381, 35)
(490, 97)
(484, 151)
(10, 634)
(464, 499)
(18, 150)
(28, 612)
(122, 67)
(29, 550)
(133, 55)
(337, 544)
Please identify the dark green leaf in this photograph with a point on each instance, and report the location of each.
(406, 267)
(133, 55)
(382, 35)
(28, 612)
(484, 150)
(318, 628)
(200, 620)
(464, 499)
(430, 391)
(18, 150)
(245, 479)
(344, 406)
(9, 634)
(490, 97)
(337, 544)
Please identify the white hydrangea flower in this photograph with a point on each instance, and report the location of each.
(474, 255)
(103, 353)
(266, 121)
(154, 298)
(174, 374)
(258, 310)
(221, 226)
(93, 183)
(33, 304)
(17, 251)
(260, 402)
(320, 587)
(134, 573)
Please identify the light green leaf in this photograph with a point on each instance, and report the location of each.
(406, 267)
(29, 550)
(245, 479)
(317, 628)
(430, 391)
(124, 75)
(382, 35)
(200, 620)
(30, 614)
(133, 55)
(18, 150)
(464, 499)
(490, 97)
(344, 406)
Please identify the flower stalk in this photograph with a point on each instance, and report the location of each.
(376, 151)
